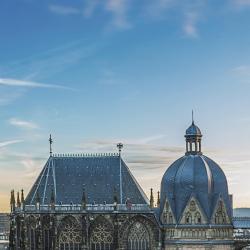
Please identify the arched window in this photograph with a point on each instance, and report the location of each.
(32, 233)
(198, 218)
(188, 218)
(101, 235)
(70, 234)
(138, 238)
(170, 218)
(47, 222)
(46, 239)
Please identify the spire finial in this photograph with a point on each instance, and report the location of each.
(158, 199)
(192, 116)
(50, 145)
(120, 146)
(151, 200)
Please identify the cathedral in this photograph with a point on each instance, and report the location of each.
(93, 202)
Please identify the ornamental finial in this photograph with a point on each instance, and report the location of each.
(151, 198)
(50, 145)
(120, 146)
(192, 116)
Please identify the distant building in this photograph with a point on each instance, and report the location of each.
(94, 202)
(241, 222)
(4, 231)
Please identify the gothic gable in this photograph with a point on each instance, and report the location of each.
(193, 213)
(167, 216)
(220, 215)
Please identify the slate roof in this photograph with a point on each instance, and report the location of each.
(241, 222)
(99, 176)
(198, 176)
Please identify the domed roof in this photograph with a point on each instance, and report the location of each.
(198, 176)
(193, 130)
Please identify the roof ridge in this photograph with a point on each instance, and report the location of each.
(86, 155)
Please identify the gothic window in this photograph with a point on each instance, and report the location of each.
(138, 238)
(47, 237)
(170, 218)
(188, 218)
(198, 218)
(47, 241)
(101, 236)
(32, 236)
(32, 233)
(70, 235)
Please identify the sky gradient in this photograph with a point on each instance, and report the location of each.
(96, 72)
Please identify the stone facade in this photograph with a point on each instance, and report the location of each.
(57, 231)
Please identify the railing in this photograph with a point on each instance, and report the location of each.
(88, 208)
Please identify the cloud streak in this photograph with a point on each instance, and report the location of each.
(10, 82)
(63, 10)
(23, 124)
(7, 143)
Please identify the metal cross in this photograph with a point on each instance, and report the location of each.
(50, 144)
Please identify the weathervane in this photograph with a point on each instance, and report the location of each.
(50, 145)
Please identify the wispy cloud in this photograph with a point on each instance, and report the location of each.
(28, 84)
(23, 124)
(242, 70)
(118, 9)
(124, 15)
(190, 24)
(7, 97)
(7, 143)
(63, 9)
(241, 3)
(47, 63)
(157, 8)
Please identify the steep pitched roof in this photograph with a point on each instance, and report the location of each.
(99, 176)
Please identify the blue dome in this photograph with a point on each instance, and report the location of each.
(194, 175)
(193, 130)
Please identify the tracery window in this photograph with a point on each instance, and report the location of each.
(47, 223)
(102, 236)
(70, 235)
(32, 233)
(138, 238)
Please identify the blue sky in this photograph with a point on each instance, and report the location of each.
(96, 72)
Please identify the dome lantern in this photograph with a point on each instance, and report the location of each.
(193, 139)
